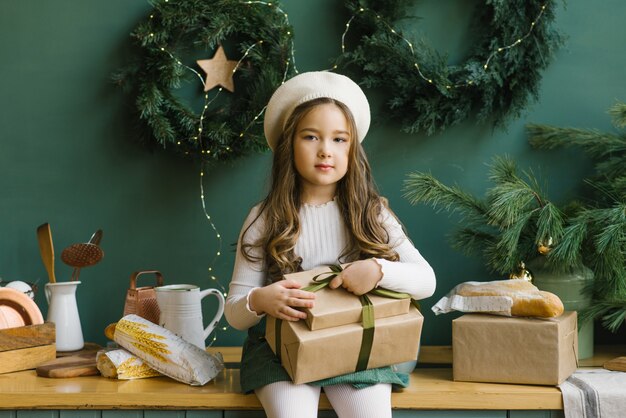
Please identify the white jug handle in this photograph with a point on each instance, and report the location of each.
(220, 309)
(48, 293)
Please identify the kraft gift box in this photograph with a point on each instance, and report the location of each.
(498, 349)
(313, 355)
(335, 307)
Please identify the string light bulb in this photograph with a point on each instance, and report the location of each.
(410, 45)
(198, 137)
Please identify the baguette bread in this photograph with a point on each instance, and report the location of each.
(120, 364)
(165, 351)
(527, 299)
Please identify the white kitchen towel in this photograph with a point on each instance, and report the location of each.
(594, 393)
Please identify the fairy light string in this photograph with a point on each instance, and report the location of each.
(409, 44)
(214, 279)
(519, 40)
(289, 63)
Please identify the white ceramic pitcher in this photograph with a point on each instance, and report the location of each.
(181, 311)
(63, 311)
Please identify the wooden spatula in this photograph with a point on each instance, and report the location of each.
(44, 236)
(617, 364)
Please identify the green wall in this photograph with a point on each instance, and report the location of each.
(67, 154)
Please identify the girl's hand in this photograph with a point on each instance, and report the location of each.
(359, 277)
(279, 300)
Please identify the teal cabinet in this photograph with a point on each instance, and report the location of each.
(204, 414)
(151, 413)
(112, 414)
(536, 414)
(261, 414)
(448, 414)
(80, 414)
(37, 414)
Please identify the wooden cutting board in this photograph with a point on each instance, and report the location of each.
(75, 364)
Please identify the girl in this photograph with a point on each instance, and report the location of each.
(322, 208)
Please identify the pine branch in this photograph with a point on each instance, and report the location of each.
(618, 112)
(604, 248)
(596, 234)
(505, 227)
(511, 197)
(549, 224)
(509, 201)
(609, 170)
(508, 245)
(472, 241)
(609, 239)
(613, 313)
(503, 170)
(597, 144)
(619, 187)
(567, 252)
(424, 188)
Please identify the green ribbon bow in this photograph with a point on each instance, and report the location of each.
(367, 317)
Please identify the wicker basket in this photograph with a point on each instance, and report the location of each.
(142, 301)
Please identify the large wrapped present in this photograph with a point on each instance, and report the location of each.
(335, 307)
(350, 333)
(491, 348)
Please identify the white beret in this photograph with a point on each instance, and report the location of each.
(314, 85)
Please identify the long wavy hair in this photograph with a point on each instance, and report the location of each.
(357, 197)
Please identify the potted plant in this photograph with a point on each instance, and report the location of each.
(516, 226)
(596, 234)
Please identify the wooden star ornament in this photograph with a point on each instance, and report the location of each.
(219, 71)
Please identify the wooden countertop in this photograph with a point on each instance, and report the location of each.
(431, 388)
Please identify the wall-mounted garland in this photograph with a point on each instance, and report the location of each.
(514, 42)
(425, 94)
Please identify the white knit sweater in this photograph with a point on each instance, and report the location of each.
(323, 237)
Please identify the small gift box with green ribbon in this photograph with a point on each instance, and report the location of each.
(345, 333)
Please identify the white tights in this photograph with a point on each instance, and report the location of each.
(287, 400)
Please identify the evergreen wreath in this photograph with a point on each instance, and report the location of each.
(514, 42)
(226, 127)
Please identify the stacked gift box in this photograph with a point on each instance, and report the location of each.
(486, 347)
(500, 349)
(330, 342)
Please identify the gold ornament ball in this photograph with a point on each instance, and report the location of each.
(544, 249)
(522, 273)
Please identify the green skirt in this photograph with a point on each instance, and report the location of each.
(260, 367)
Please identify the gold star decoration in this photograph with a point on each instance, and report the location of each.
(219, 71)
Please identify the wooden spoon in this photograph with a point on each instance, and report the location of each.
(44, 236)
